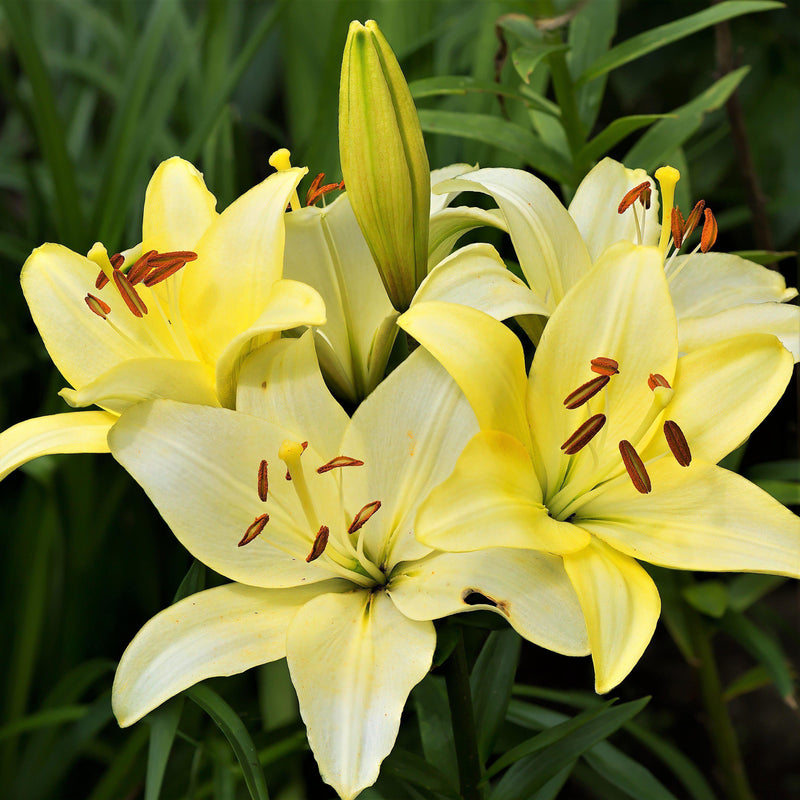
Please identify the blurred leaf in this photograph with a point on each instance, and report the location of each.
(491, 682)
(788, 470)
(458, 84)
(637, 46)
(669, 134)
(786, 492)
(163, 727)
(499, 133)
(526, 59)
(194, 581)
(625, 773)
(523, 27)
(709, 597)
(765, 257)
(673, 610)
(755, 678)
(435, 727)
(43, 719)
(746, 589)
(417, 771)
(553, 787)
(117, 778)
(614, 133)
(228, 721)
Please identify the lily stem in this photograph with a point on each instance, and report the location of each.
(718, 722)
(459, 695)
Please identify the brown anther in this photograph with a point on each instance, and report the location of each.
(584, 434)
(677, 443)
(340, 461)
(101, 280)
(304, 445)
(97, 305)
(644, 197)
(117, 260)
(263, 481)
(586, 392)
(657, 380)
(633, 195)
(678, 225)
(693, 219)
(709, 234)
(315, 191)
(605, 366)
(258, 525)
(129, 294)
(138, 271)
(163, 271)
(361, 518)
(172, 255)
(635, 467)
(288, 475)
(320, 542)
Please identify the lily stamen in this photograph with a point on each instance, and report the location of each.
(605, 366)
(140, 268)
(634, 466)
(256, 527)
(677, 443)
(129, 295)
(584, 434)
(657, 380)
(339, 461)
(678, 227)
(320, 543)
(586, 391)
(98, 306)
(360, 519)
(693, 219)
(263, 481)
(640, 192)
(709, 234)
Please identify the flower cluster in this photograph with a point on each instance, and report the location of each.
(350, 508)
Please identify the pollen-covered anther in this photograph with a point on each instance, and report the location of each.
(642, 191)
(584, 434)
(586, 391)
(320, 543)
(709, 234)
(339, 461)
(677, 443)
(656, 380)
(678, 226)
(603, 365)
(263, 481)
(693, 219)
(97, 305)
(315, 191)
(140, 269)
(258, 525)
(135, 304)
(360, 519)
(634, 467)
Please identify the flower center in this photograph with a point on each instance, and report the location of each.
(338, 548)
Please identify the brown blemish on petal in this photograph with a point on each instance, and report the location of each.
(473, 597)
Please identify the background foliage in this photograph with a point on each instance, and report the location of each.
(93, 95)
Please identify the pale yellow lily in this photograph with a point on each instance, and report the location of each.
(326, 567)
(717, 296)
(611, 438)
(172, 317)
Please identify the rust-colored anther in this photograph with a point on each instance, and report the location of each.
(644, 197)
(258, 525)
(320, 542)
(657, 380)
(172, 255)
(315, 191)
(633, 195)
(605, 366)
(678, 225)
(117, 260)
(584, 434)
(163, 271)
(97, 305)
(263, 481)
(677, 443)
(101, 280)
(340, 461)
(693, 219)
(709, 234)
(140, 269)
(635, 467)
(360, 519)
(129, 294)
(586, 392)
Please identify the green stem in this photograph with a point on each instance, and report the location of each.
(718, 722)
(459, 695)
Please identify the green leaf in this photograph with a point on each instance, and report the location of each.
(526, 59)
(163, 727)
(755, 678)
(615, 132)
(786, 492)
(491, 682)
(764, 257)
(418, 772)
(458, 84)
(625, 773)
(228, 721)
(786, 470)
(499, 133)
(43, 719)
(669, 134)
(644, 43)
(709, 597)
(746, 589)
(435, 727)
(193, 581)
(523, 27)
(120, 773)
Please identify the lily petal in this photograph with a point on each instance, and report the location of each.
(178, 208)
(441, 201)
(409, 433)
(547, 242)
(450, 224)
(621, 606)
(139, 379)
(77, 432)
(353, 659)
(200, 468)
(531, 590)
(281, 381)
(699, 517)
(221, 631)
(594, 208)
(476, 276)
(239, 258)
(493, 499)
(484, 358)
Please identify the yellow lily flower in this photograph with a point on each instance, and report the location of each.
(716, 296)
(611, 440)
(310, 513)
(172, 317)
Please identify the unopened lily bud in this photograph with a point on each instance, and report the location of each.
(384, 163)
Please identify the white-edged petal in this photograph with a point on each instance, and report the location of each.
(450, 224)
(353, 659)
(441, 201)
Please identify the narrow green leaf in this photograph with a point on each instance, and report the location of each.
(418, 772)
(613, 133)
(749, 681)
(163, 727)
(49, 717)
(644, 43)
(669, 134)
(746, 589)
(435, 727)
(709, 597)
(459, 85)
(765, 257)
(554, 786)
(118, 777)
(625, 773)
(786, 492)
(499, 133)
(526, 59)
(234, 730)
(523, 27)
(194, 581)
(786, 470)
(491, 682)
